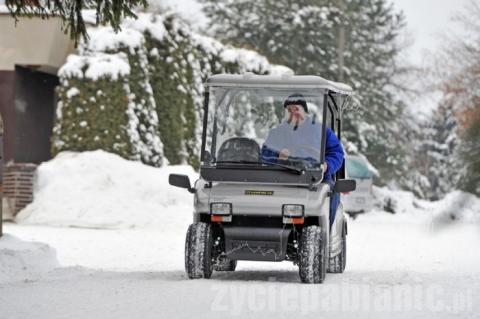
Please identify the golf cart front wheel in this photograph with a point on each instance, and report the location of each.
(312, 265)
(198, 251)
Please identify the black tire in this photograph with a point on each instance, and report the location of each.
(225, 264)
(337, 264)
(198, 251)
(312, 265)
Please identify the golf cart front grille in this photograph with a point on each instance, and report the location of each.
(258, 221)
(256, 243)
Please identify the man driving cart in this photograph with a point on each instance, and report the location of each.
(288, 142)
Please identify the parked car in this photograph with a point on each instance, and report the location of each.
(360, 201)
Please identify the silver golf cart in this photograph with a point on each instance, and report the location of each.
(248, 206)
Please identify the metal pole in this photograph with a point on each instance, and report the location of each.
(341, 42)
(1, 210)
(1, 178)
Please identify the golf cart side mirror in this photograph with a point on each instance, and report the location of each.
(345, 186)
(180, 181)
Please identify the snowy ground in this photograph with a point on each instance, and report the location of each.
(394, 267)
(408, 265)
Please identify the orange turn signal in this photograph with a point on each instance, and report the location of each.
(298, 220)
(221, 218)
(293, 220)
(216, 218)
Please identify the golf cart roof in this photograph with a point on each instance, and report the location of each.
(285, 81)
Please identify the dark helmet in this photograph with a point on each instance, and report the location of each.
(298, 99)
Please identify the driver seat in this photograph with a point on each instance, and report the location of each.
(239, 149)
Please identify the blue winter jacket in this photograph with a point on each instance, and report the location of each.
(304, 143)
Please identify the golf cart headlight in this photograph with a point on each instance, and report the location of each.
(221, 208)
(293, 210)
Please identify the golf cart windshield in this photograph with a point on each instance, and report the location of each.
(251, 127)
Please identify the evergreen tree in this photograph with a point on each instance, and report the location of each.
(107, 12)
(469, 151)
(352, 41)
(436, 154)
(460, 85)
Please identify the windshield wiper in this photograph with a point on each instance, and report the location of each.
(236, 162)
(299, 171)
(287, 167)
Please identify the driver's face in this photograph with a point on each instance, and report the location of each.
(294, 109)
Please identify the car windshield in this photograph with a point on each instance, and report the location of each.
(257, 127)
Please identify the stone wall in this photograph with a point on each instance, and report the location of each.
(17, 187)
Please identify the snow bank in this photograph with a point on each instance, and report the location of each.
(395, 201)
(456, 206)
(22, 260)
(102, 190)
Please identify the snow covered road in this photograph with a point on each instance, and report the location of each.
(397, 267)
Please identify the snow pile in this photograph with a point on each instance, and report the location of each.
(102, 190)
(395, 201)
(455, 206)
(97, 66)
(21, 260)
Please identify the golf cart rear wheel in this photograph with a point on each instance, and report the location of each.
(337, 264)
(198, 251)
(225, 265)
(312, 265)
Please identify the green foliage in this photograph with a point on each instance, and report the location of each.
(469, 152)
(172, 80)
(91, 119)
(107, 12)
(142, 101)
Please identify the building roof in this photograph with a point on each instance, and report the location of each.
(278, 81)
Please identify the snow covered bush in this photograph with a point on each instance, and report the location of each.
(93, 108)
(121, 108)
(158, 103)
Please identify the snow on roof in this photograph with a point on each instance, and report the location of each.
(276, 69)
(95, 67)
(280, 81)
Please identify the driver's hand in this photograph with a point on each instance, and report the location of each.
(325, 166)
(284, 154)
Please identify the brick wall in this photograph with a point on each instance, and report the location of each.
(17, 186)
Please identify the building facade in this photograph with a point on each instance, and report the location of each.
(31, 52)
